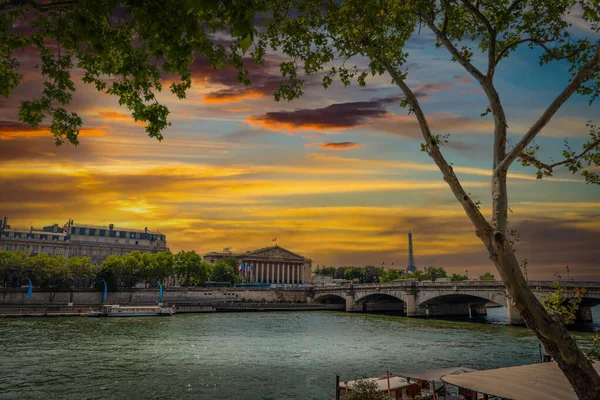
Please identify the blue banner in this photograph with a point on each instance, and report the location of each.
(160, 289)
(29, 289)
(104, 295)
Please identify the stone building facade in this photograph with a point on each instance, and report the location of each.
(269, 265)
(95, 242)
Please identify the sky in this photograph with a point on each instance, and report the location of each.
(336, 176)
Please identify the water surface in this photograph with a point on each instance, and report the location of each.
(272, 355)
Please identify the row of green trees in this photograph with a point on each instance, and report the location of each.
(61, 273)
(372, 274)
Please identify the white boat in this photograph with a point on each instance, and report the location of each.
(115, 310)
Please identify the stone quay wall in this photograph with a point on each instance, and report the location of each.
(10, 298)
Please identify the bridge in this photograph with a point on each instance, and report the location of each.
(439, 299)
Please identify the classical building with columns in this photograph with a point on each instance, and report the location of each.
(269, 265)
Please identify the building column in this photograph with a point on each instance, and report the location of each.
(278, 277)
(298, 273)
(270, 274)
(258, 272)
(287, 273)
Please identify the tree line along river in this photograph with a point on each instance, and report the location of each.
(274, 355)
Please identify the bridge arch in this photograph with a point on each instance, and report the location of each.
(379, 302)
(329, 298)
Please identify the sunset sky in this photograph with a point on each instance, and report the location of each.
(336, 176)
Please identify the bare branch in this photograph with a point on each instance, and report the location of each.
(434, 152)
(571, 88)
(549, 167)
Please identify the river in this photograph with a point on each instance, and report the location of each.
(275, 355)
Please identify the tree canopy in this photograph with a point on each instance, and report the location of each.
(125, 48)
(331, 37)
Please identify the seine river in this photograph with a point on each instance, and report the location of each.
(241, 355)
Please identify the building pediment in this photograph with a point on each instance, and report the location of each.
(275, 252)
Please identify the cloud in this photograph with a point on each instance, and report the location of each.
(10, 130)
(462, 80)
(432, 87)
(333, 117)
(340, 145)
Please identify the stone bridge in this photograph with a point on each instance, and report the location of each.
(434, 299)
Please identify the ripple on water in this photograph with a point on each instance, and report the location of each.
(221, 356)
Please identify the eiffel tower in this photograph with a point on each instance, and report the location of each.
(411, 258)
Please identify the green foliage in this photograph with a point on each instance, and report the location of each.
(325, 271)
(11, 263)
(50, 272)
(487, 277)
(124, 48)
(223, 272)
(390, 275)
(357, 273)
(562, 305)
(365, 389)
(330, 37)
(458, 277)
(190, 269)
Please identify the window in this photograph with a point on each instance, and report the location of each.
(9, 247)
(97, 232)
(59, 251)
(87, 231)
(23, 236)
(21, 248)
(73, 252)
(11, 234)
(48, 249)
(84, 252)
(137, 242)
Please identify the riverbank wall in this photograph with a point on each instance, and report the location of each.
(14, 302)
(18, 297)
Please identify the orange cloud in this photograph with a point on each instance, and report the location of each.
(288, 128)
(340, 145)
(230, 97)
(116, 116)
(12, 130)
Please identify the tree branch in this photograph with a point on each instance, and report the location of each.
(19, 5)
(434, 152)
(537, 42)
(514, 5)
(549, 167)
(491, 31)
(470, 68)
(571, 88)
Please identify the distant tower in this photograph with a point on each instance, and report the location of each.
(411, 257)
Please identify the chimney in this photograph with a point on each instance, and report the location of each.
(31, 229)
(111, 226)
(5, 222)
(146, 230)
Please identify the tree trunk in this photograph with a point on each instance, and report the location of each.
(554, 336)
